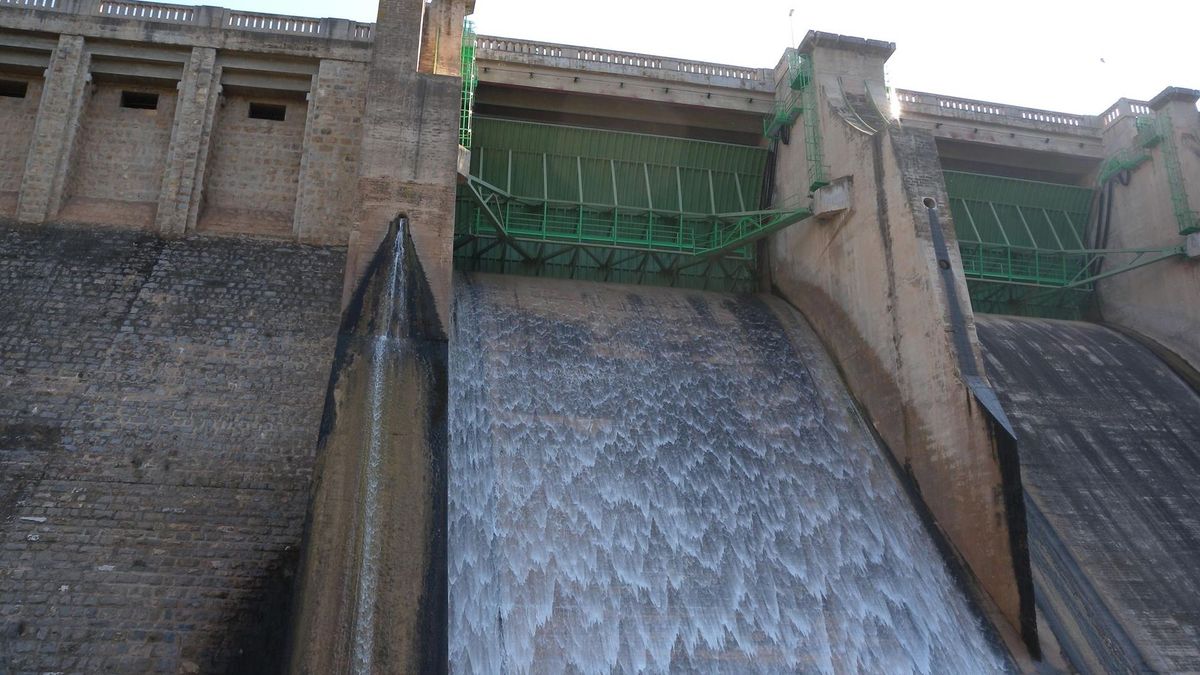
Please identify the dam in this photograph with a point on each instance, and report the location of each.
(330, 346)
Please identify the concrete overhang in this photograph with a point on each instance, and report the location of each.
(816, 39)
(1174, 94)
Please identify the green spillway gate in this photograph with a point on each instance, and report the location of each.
(1024, 246)
(563, 201)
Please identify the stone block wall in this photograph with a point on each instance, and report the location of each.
(327, 199)
(159, 408)
(117, 166)
(253, 167)
(19, 115)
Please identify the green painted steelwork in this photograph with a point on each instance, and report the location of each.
(818, 171)
(1126, 160)
(1022, 245)
(548, 199)
(470, 75)
(1160, 133)
(800, 101)
(733, 274)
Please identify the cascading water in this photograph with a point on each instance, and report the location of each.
(651, 480)
(383, 344)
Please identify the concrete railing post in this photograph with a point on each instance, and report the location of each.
(54, 133)
(183, 175)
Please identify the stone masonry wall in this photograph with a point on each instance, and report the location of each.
(253, 168)
(117, 167)
(333, 142)
(159, 408)
(19, 115)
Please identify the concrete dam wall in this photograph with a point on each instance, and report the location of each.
(1110, 454)
(159, 408)
(653, 480)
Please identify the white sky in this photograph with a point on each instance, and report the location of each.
(1075, 56)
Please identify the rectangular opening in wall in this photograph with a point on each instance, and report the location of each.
(268, 111)
(139, 100)
(13, 88)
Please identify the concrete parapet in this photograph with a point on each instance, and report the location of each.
(868, 282)
(998, 124)
(192, 26)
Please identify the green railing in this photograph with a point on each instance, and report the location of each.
(800, 101)
(1161, 132)
(470, 75)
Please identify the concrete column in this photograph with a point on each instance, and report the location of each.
(409, 153)
(1158, 301)
(54, 133)
(441, 37)
(917, 369)
(332, 143)
(183, 175)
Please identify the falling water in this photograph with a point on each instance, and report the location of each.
(649, 480)
(383, 345)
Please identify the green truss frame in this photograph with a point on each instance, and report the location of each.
(1066, 269)
(644, 229)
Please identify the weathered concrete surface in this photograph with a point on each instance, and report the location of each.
(409, 153)
(159, 406)
(1159, 300)
(868, 282)
(1110, 454)
(375, 550)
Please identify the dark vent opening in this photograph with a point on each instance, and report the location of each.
(14, 88)
(139, 100)
(268, 111)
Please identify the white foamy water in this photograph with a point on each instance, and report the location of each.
(383, 344)
(649, 480)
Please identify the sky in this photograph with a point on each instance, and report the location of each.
(1076, 56)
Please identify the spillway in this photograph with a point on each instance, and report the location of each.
(653, 480)
(1110, 457)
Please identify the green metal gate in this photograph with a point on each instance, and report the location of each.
(612, 206)
(1024, 246)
